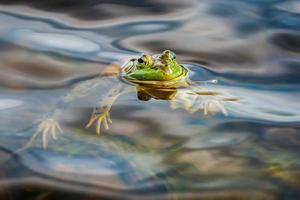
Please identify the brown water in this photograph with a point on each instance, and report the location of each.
(151, 151)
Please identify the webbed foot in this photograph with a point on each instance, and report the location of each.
(182, 100)
(100, 118)
(47, 127)
(213, 107)
(101, 114)
(210, 107)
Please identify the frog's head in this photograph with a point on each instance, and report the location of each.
(159, 67)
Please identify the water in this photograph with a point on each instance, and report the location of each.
(151, 150)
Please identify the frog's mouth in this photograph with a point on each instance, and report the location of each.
(142, 77)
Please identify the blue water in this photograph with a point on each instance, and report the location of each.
(153, 149)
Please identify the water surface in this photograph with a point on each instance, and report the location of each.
(151, 150)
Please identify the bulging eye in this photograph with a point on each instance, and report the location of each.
(140, 60)
(169, 54)
(173, 55)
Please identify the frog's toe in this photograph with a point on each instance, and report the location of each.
(181, 101)
(213, 107)
(196, 108)
(46, 127)
(99, 119)
(174, 104)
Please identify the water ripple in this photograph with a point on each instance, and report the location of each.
(52, 47)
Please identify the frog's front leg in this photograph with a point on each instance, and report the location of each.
(210, 107)
(194, 101)
(101, 113)
(182, 100)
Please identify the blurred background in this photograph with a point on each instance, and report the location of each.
(151, 151)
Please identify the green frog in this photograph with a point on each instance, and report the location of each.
(157, 76)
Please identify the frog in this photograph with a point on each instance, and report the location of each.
(150, 76)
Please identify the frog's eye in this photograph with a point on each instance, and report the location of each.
(173, 55)
(140, 60)
(145, 61)
(169, 54)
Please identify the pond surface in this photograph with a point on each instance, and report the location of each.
(153, 149)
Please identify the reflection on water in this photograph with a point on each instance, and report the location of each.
(50, 48)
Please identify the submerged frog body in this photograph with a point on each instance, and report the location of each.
(150, 76)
